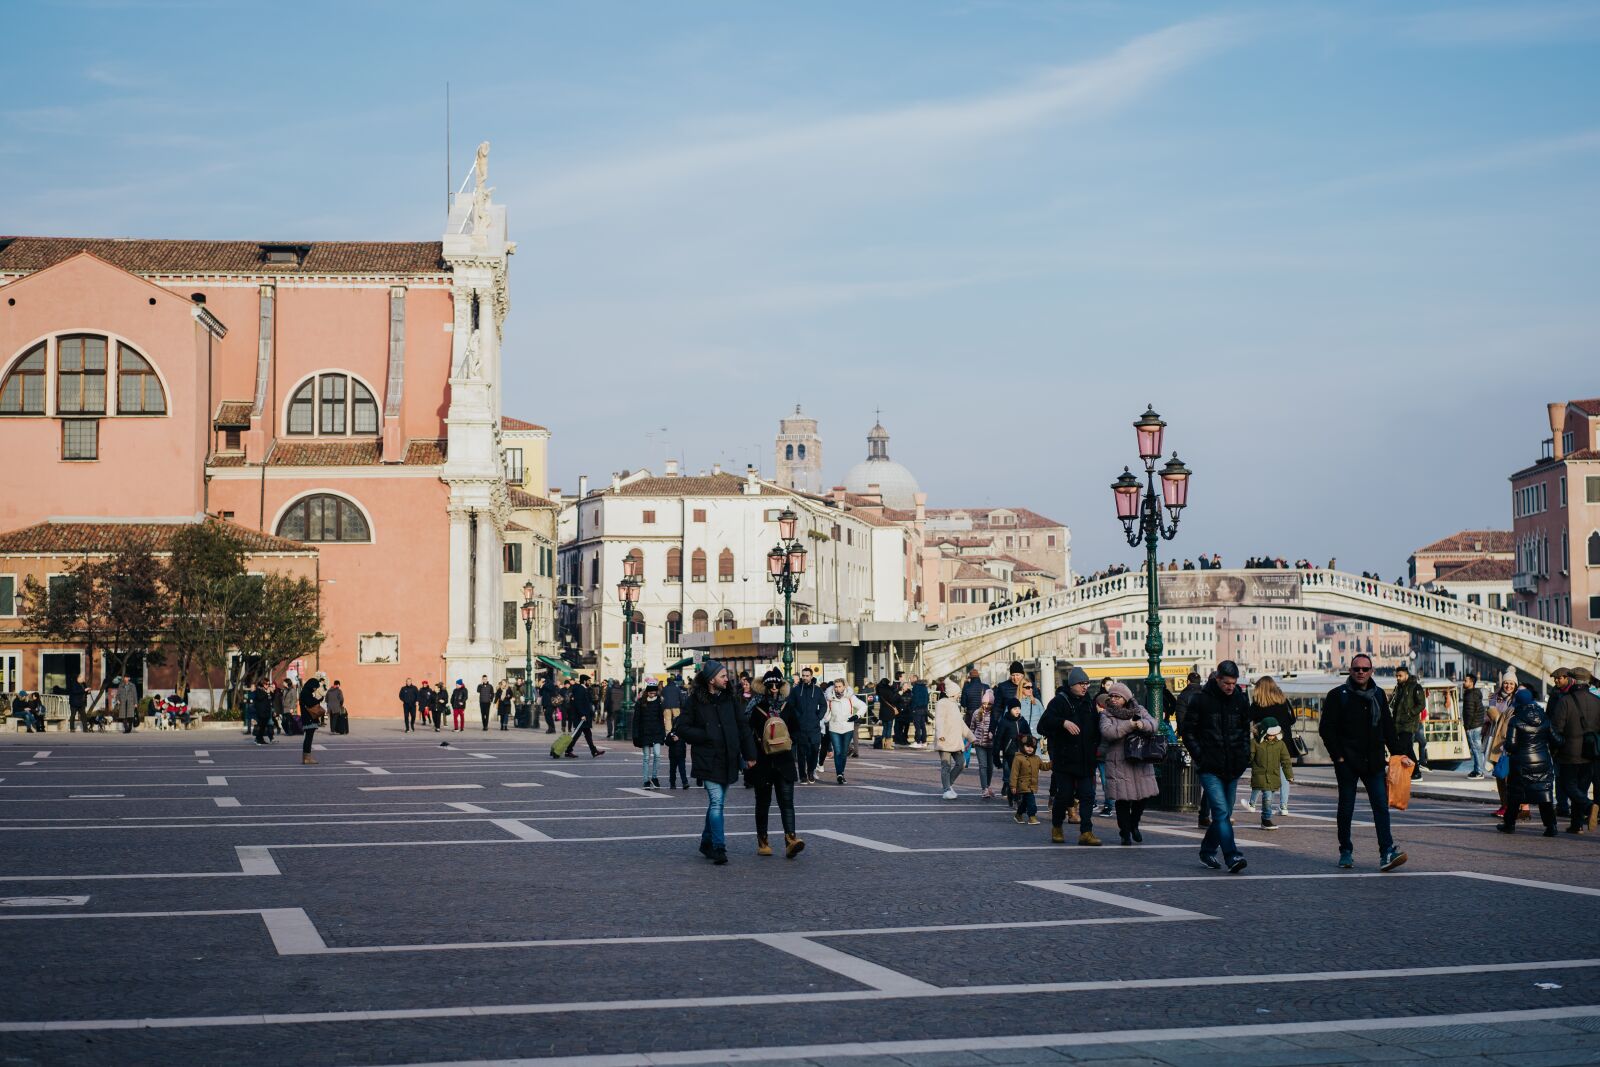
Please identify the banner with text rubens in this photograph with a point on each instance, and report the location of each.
(1196, 589)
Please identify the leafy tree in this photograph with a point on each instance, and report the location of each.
(208, 592)
(110, 604)
(281, 621)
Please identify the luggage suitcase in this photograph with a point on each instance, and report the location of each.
(562, 743)
(1399, 783)
(339, 722)
(291, 725)
(524, 716)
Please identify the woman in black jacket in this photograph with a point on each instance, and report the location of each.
(775, 769)
(650, 732)
(1529, 739)
(503, 697)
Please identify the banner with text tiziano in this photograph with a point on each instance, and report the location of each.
(1196, 589)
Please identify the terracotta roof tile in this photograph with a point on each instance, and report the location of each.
(517, 527)
(508, 423)
(234, 414)
(1584, 453)
(972, 572)
(70, 537)
(710, 485)
(1473, 541)
(1477, 570)
(234, 460)
(521, 498)
(141, 256)
(425, 452)
(1588, 407)
(359, 453)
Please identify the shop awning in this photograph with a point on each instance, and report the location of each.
(551, 661)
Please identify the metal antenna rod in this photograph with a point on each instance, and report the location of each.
(447, 181)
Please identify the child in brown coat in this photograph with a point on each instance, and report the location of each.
(1025, 768)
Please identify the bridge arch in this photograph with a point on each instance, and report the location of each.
(1533, 647)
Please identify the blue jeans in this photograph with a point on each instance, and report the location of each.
(841, 751)
(1219, 794)
(716, 796)
(1475, 744)
(650, 760)
(1377, 787)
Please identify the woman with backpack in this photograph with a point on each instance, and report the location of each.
(1129, 783)
(774, 730)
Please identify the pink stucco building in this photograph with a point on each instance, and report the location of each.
(340, 395)
(1555, 521)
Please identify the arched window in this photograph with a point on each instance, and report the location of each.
(725, 565)
(804, 618)
(332, 404)
(701, 623)
(674, 627)
(81, 375)
(697, 565)
(638, 624)
(138, 388)
(324, 517)
(725, 620)
(637, 555)
(802, 451)
(788, 451)
(22, 393)
(674, 564)
(1594, 549)
(774, 618)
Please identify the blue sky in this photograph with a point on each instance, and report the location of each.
(1346, 249)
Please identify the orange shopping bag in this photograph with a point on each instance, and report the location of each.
(1399, 782)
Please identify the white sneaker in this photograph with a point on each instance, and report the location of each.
(949, 794)
(1249, 806)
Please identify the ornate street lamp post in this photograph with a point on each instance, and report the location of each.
(527, 629)
(1140, 511)
(628, 594)
(786, 566)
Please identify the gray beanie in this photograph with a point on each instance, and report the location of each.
(1076, 676)
(709, 669)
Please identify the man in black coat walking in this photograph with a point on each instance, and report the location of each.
(408, 706)
(720, 745)
(1357, 729)
(485, 700)
(1071, 723)
(809, 705)
(972, 694)
(579, 715)
(1216, 731)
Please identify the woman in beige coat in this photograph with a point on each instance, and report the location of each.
(950, 737)
(1129, 785)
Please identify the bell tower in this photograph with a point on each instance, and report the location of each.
(799, 453)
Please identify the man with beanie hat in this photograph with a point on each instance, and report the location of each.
(1356, 728)
(1007, 690)
(1071, 724)
(1216, 731)
(810, 706)
(720, 745)
(972, 694)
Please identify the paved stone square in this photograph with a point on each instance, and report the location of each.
(192, 898)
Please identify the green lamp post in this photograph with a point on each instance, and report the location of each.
(628, 594)
(1140, 511)
(786, 567)
(527, 629)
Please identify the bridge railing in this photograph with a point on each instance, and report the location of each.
(1371, 590)
(1443, 607)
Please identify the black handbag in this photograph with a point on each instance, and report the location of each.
(1145, 748)
(1298, 748)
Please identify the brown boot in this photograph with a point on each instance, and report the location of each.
(307, 758)
(1056, 836)
(762, 848)
(888, 746)
(792, 846)
(1087, 838)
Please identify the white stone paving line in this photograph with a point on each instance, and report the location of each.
(374, 770)
(226, 802)
(254, 861)
(640, 791)
(216, 779)
(417, 788)
(471, 809)
(1079, 1039)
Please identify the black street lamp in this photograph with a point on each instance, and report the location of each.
(786, 566)
(527, 629)
(628, 594)
(1140, 511)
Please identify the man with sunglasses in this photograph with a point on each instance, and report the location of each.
(1359, 734)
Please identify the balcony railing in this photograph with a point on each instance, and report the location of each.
(1525, 582)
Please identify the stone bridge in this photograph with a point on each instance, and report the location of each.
(1534, 648)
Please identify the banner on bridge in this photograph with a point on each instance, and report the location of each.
(1197, 589)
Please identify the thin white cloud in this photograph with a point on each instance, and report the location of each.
(908, 133)
(1492, 160)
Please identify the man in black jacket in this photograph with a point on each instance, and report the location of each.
(972, 694)
(485, 700)
(809, 705)
(1216, 731)
(408, 706)
(1574, 714)
(720, 745)
(888, 710)
(1071, 723)
(579, 717)
(1357, 729)
(78, 706)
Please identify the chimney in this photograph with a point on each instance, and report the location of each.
(716, 468)
(1558, 414)
(616, 481)
(671, 468)
(752, 487)
(583, 486)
